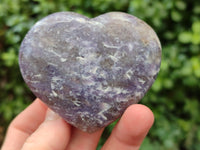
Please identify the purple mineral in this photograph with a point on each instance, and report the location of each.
(90, 70)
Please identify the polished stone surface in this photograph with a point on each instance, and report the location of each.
(90, 70)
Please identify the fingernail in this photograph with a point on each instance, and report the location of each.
(50, 115)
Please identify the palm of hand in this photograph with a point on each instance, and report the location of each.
(39, 128)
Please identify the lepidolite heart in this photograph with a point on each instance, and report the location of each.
(90, 70)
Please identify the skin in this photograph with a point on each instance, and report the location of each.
(37, 127)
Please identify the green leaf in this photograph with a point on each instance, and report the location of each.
(176, 16)
(169, 35)
(196, 38)
(185, 37)
(198, 134)
(196, 66)
(157, 85)
(186, 69)
(9, 57)
(196, 9)
(168, 83)
(180, 5)
(184, 124)
(196, 27)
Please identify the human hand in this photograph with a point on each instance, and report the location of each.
(38, 128)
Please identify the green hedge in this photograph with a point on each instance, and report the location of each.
(174, 97)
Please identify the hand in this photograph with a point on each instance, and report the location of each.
(38, 128)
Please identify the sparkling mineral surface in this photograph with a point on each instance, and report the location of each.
(90, 70)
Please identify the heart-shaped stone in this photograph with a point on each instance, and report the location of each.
(90, 70)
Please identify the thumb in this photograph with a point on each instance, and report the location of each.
(52, 134)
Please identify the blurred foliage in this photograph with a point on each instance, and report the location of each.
(174, 97)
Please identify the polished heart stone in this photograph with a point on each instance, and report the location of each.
(90, 70)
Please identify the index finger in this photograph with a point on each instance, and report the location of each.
(24, 125)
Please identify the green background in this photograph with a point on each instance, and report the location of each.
(174, 97)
